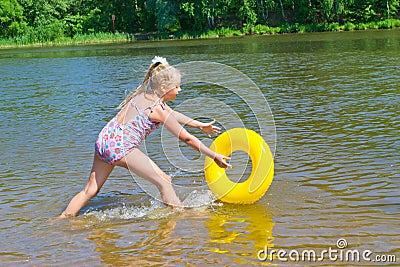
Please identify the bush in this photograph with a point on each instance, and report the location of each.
(261, 29)
(372, 25)
(247, 28)
(385, 24)
(388, 23)
(361, 26)
(396, 22)
(223, 31)
(348, 26)
(284, 28)
(333, 27)
(44, 33)
(298, 28)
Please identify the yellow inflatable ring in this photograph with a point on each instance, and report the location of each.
(262, 171)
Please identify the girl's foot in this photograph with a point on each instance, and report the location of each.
(171, 199)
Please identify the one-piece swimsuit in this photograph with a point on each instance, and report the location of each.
(116, 139)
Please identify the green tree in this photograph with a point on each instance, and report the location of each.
(247, 11)
(302, 11)
(328, 9)
(49, 20)
(201, 14)
(12, 21)
(167, 15)
(387, 8)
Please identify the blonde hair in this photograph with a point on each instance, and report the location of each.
(159, 74)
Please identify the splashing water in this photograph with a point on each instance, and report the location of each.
(154, 210)
(199, 198)
(124, 212)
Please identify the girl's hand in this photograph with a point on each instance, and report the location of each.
(221, 161)
(209, 128)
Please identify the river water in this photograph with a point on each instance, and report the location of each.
(335, 104)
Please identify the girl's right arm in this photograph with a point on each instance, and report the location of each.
(207, 128)
(165, 116)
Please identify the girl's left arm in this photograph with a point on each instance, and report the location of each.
(206, 127)
(166, 117)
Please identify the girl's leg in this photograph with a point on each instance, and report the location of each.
(139, 163)
(98, 175)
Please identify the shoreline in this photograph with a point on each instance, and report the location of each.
(125, 38)
(69, 43)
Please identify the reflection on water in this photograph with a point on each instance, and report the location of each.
(232, 232)
(115, 249)
(255, 224)
(335, 101)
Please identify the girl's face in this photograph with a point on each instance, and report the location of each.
(172, 89)
(172, 92)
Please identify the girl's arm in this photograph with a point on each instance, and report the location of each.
(207, 128)
(167, 118)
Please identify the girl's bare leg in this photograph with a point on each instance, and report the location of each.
(139, 163)
(98, 175)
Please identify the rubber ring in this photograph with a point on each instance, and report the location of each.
(262, 173)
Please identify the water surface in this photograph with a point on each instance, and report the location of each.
(335, 100)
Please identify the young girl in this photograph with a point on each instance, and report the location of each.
(141, 113)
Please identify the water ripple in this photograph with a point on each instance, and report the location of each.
(335, 101)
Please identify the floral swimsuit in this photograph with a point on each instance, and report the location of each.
(116, 140)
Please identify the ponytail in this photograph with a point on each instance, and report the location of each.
(159, 73)
(141, 88)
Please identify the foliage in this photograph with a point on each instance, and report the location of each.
(12, 21)
(43, 21)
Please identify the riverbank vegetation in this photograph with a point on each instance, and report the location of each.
(30, 22)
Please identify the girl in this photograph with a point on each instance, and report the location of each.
(141, 113)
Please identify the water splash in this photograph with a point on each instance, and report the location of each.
(153, 210)
(199, 198)
(124, 212)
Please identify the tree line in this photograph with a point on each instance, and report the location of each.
(47, 20)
